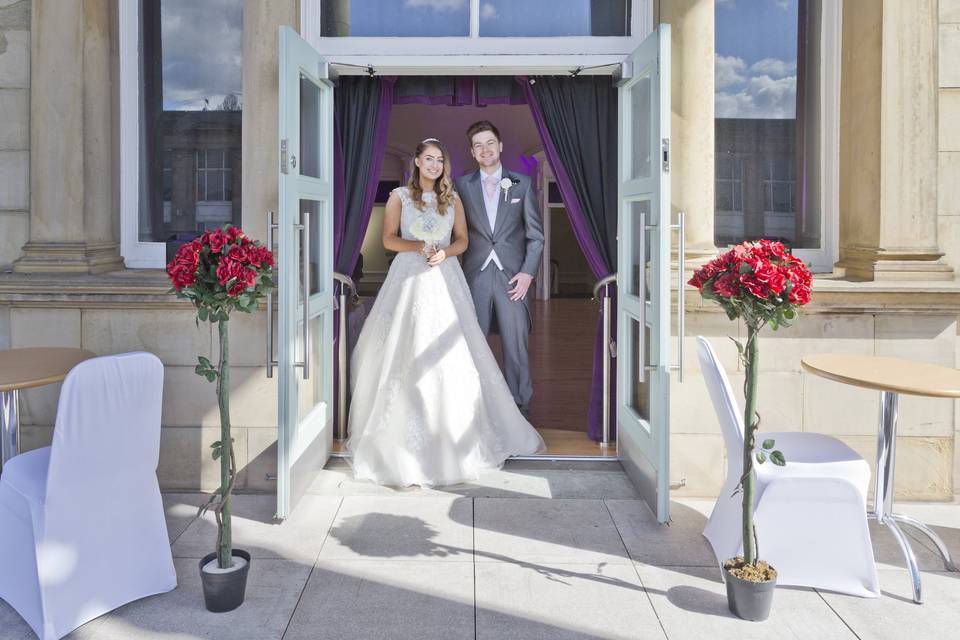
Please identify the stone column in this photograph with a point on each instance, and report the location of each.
(261, 147)
(888, 142)
(692, 126)
(73, 167)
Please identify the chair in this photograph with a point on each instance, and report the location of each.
(82, 528)
(810, 515)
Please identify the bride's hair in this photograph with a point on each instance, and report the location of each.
(443, 187)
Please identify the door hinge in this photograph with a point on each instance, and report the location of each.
(665, 152)
(284, 157)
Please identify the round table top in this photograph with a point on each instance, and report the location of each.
(886, 374)
(37, 366)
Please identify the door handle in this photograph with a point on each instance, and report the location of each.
(305, 259)
(271, 361)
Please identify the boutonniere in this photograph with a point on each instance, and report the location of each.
(505, 184)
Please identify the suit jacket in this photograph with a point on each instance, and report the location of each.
(518, 234)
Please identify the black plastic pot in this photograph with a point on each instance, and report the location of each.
(224, 591)
(749, 600)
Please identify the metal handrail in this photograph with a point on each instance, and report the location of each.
(609, 350)
(602, 283)
(346, 282)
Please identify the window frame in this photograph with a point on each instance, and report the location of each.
(136, 253)
(466, 55)
(822, 259)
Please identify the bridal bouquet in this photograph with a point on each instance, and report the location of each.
(429, 229)
(760, 283)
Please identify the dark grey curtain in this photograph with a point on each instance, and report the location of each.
(362, 114)
(580, 115)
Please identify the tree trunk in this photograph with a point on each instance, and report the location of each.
(750, 425)
(224, 541)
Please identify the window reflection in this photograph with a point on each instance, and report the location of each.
(533, 18)
(191, 110)
(417, 18)
(767, 79)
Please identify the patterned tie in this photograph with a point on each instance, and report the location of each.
(490, 186)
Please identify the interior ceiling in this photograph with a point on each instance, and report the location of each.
(411, 123)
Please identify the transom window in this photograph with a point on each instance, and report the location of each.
(492, 18)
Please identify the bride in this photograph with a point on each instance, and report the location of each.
(430, 404)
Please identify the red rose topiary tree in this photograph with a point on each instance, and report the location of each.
(220, 272)
(762, 284)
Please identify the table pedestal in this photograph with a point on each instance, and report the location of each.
(883, 494)
(9, 425)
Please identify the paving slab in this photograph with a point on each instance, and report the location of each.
(255, 530)
(895, 616)
(422, 600)
(517, 479)
(273, 589)
(546, 532)
(180, 509)
(691, 603)
(679, 543)
(377, 527)
(562, 602)
(12, 626)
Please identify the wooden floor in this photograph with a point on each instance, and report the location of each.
(561, 365)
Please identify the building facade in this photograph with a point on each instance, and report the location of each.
(888, 170)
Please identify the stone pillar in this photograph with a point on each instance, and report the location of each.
(692, 126)
(888, 142)
(73, 166)
(261, 146)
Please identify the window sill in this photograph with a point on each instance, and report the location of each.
(127, 288)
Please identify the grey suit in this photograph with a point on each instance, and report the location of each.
(518, 241)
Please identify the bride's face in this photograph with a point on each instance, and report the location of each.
(486, 149)
(430, 162)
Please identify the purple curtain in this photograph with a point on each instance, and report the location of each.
(577, 122)
(361, 118)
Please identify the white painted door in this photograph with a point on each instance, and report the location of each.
(305, 270)
(643, 300)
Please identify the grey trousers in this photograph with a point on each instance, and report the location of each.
(490, 294)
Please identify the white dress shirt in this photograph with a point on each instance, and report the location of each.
(491, 206)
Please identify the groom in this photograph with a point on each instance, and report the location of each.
(506, 241)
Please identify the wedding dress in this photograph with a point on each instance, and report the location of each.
(430, 405)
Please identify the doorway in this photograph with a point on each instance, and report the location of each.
(561, 341)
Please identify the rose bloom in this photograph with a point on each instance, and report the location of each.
(727, 285)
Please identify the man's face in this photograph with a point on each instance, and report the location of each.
(486, 149)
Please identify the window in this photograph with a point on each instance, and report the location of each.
(494, 18)
(181, 112)
(537, 18)
(776, 105)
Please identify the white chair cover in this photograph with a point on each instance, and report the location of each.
(82, 529)
(810, 516)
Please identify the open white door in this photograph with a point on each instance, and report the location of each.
(304, 269)
(643, 291)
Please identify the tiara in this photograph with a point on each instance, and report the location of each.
(426, 140)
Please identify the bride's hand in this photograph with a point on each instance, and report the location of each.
(437, 258)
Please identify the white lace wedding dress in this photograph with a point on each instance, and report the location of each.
(430, 405)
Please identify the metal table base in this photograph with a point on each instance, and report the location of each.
(883, 495)
(9, 425)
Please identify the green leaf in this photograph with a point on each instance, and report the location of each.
(211, 376)
(216, 453)
(776, 457)
(205, 361)
(202, 314)
(761, 457)
(768, 444)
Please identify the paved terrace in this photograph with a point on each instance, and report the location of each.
(542, 550)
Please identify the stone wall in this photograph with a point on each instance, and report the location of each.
(14, 128)
(948, 139)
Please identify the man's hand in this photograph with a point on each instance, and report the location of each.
(522, 285)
